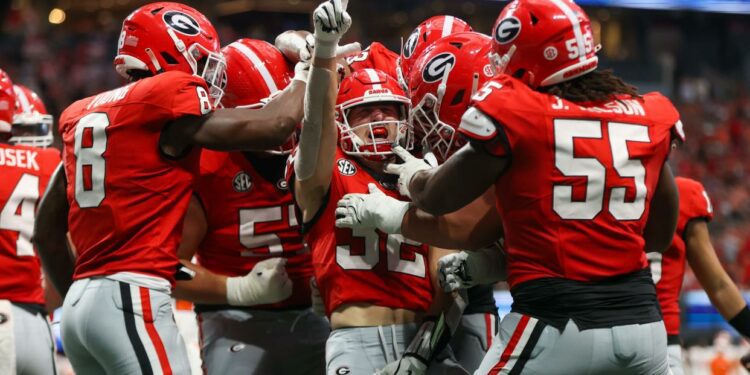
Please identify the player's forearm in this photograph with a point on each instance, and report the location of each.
(50, 234)
(663, 213)
(472, 227)
(314, 158)
(206, 287)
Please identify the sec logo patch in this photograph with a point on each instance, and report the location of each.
(346, 167)
(242, 183)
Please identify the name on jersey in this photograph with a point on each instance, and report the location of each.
(109, 96)
(630, 107)
(19, 158)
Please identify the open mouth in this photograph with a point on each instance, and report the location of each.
(379, 133)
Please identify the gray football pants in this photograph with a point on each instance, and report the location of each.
(111, 327)
(526, 345)
(364, 350)
(26, 339)
(675, 359)
(473, 338)
(263, 342)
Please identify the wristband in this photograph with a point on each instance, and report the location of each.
(325, 49)
(741, 322)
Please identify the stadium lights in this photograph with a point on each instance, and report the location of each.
(56, 16)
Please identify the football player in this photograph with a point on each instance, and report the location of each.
(577, 158)
(240, 216)
(692, 242)
(374, 286)
(26, 345)
(426, 33)
(130, 155)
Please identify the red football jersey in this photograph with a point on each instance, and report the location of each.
(364, 265)
(250, 219)
(668, 269)
(26, 172)
(575, 197)
(127, 199)
(376, 56)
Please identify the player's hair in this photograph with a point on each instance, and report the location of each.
(596, 86)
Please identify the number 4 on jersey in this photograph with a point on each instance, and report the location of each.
(18, 213)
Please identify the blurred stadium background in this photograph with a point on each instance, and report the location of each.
(695, 51)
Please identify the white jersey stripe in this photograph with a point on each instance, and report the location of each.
(259, 64)
(447, 26)
(576, 27)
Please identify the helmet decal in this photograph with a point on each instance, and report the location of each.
(182, 23)
(436, 68)
(411, 43)
(507, 30)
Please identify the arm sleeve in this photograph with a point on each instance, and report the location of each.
(190, 97)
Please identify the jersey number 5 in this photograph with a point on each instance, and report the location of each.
(566, 131)
(90, 145)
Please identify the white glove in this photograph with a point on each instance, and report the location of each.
(407, 365)
(342, 52)
(266, 283)
(318, 307)
(373, 210)
(465, 269)
(408, 168)
(331, 23)
(301, 71)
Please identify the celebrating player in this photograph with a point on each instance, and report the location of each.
(426, 33)
(577, 159)
(692, 242)
(129, 161)
(26, 345)
(241, 219)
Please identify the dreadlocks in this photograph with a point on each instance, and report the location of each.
(596, 86)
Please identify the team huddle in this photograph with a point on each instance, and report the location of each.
(336, 210)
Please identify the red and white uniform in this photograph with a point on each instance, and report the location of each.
(364, 266)
(127, 199)
(575, 198)
(668, 274)
(250, 219)
(376, 56)
(25, 173)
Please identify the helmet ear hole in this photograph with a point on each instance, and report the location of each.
(458, 98)
(169, 59)
(534, 19)
(518, 74)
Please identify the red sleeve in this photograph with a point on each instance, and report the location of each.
(694, 201)
(191, 97)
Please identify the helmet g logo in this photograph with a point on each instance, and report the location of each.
(507, 30)
(182, 23)
(411, 43)
(438, 66)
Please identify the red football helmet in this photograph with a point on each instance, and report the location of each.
(443, 80)
(32, 124)
(7, 102)
(368, 86)
(256, 71)
(169, 36)
(426, 33)
(544, 42)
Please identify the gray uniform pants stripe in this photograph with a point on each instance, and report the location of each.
(110, 327)
(527, 345)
